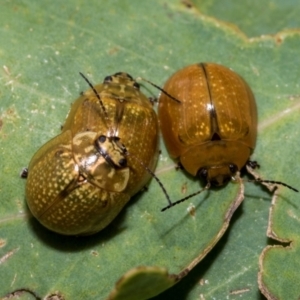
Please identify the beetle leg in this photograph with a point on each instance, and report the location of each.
(179, 166)
(253, 164)
(24, 173)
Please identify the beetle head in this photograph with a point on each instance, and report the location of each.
(218, 175)
(122, 78)
(112, 150)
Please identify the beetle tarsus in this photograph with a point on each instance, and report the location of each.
(253, 164)
(24, 173)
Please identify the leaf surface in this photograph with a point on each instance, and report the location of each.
(44, 46)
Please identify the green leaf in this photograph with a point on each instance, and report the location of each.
(141, 281)
(253, 18)
(44, 46)
(279, 264)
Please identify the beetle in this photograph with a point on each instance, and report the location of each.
(79, 181)
(213, 130)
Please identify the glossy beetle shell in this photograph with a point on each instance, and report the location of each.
(78, 182)
(213, 130)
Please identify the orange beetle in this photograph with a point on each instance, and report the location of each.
(213, 131)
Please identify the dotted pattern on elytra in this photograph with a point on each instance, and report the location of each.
(86, 209)
(61, 192)
(82, 209)
(141, 139)
(137, 130)
(48, 177)
(231, 102)
(192, 120)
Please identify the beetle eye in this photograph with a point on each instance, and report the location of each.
(123, 162)
(202, 173)
(129, 76)
(233, 168)
(136, 85)
(107, 79)
(102, 139)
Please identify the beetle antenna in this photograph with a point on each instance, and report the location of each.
(274, 182)
(251, 165)
(154, 176)
(186, 198)
(99, 98)
(171, 204)
(159, 88)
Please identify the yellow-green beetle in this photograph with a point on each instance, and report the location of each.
(79, 181)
